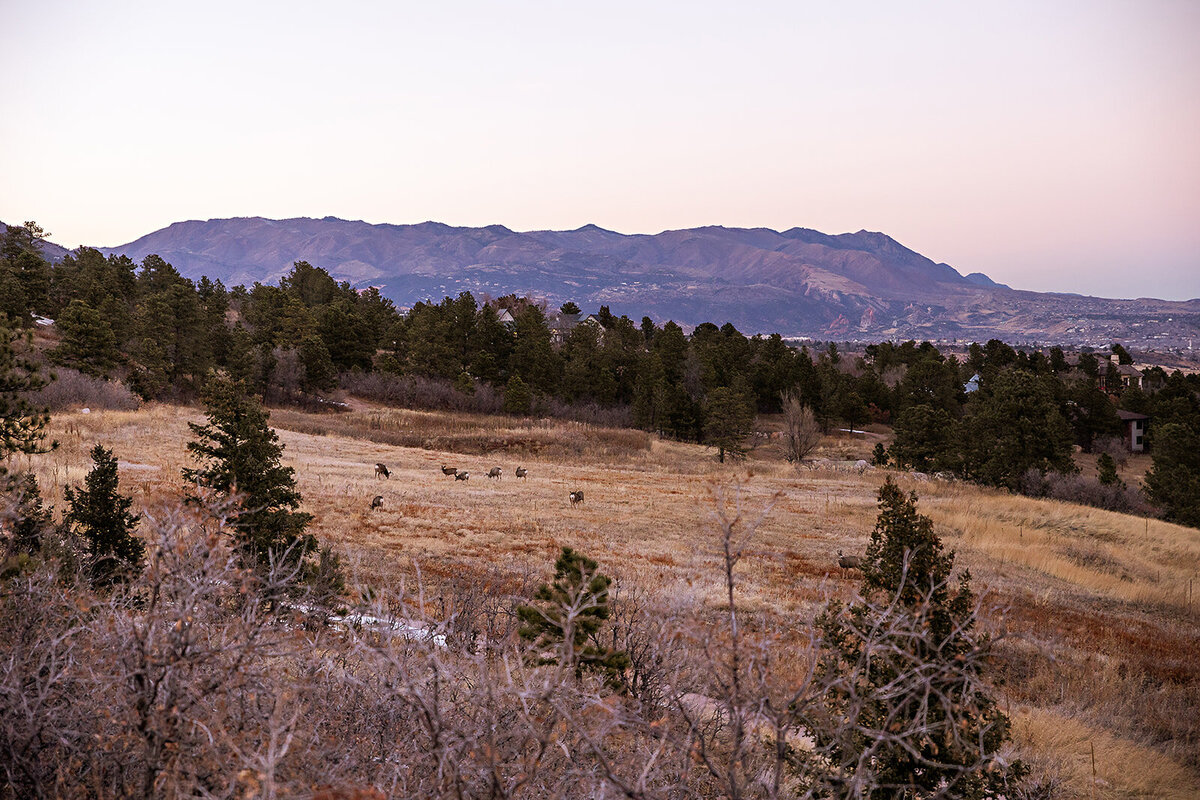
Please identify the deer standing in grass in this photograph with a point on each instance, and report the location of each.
(576, 497)
(494, 472)
(381, 471)
(521, 472)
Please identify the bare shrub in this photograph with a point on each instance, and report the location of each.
(1075, 488)
(1114, 446)
(414, 391)
(802, 432)
(587, 413)
(73, 389)
(189, 684)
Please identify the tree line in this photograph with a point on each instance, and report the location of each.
(997, 416)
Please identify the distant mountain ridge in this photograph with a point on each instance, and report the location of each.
(799, 282)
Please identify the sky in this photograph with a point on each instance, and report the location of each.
(1054, 146)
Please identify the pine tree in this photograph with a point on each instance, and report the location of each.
(728, 420)
(1107, 468)
(568, 614)
(1173, 482)
(925, 439)
(87, 341)
(517, 397)
(103, 518)
(319, 372)
(903, 664)
(25, 521)
(22, 424)
(22, 430)
(239, 454)
(1011, 425)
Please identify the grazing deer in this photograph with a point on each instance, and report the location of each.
(521, 472)
(377, 502)
(462, 476)
(849, 562)
(449, 470)
(494, 472)
(381, 471)
(576, 497)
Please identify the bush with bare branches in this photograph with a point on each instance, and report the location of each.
(802, 431)
(188, 682)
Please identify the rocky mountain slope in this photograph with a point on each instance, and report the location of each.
(799, 282)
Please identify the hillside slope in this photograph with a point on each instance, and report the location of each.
(799, 282)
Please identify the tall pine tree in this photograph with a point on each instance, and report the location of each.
(239, 454)
(103, 518)
(902, 663)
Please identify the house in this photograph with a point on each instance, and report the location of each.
(1130, 376)
(563, 324)
(1134, 430)
(561, 327)
(973, 384)
(1117, 377)
(506, 319)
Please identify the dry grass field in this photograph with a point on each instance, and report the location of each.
(1102, 616)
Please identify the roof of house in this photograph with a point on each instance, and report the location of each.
(1129, 369)
(1126, 416)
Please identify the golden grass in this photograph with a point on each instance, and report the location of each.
(1072, 576)
(1123, 770)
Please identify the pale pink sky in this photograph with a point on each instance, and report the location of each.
(1053, 146)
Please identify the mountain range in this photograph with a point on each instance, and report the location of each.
(799, 282)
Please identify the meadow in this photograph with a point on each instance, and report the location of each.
(1097, 614)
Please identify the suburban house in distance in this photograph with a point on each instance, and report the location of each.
(1122, 377)
(562, 325)
(1134, 430)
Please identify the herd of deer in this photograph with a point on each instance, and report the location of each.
(381, 471)
(576, 497)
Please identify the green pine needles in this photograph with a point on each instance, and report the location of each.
(567, 616)
(103, 519)
(911, 713)
(239, 454)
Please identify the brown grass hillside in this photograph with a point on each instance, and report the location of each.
(1101, 609)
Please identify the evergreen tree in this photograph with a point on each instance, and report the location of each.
(930, 381)
(533, 357)
(1058, 360)
(103, 518)
(1173, 481)
(517, 397)
(1107, 469)
(1013, 425)
(25, 275)
(728, 420)
(490, 346)
(22, 430)
(567, 615)
(925, 439)
(239, 454)
(347, 336)
(319, 372)
(903, 664)
(26, 519)
(86, 340)
(850, 407)
(22, 424)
